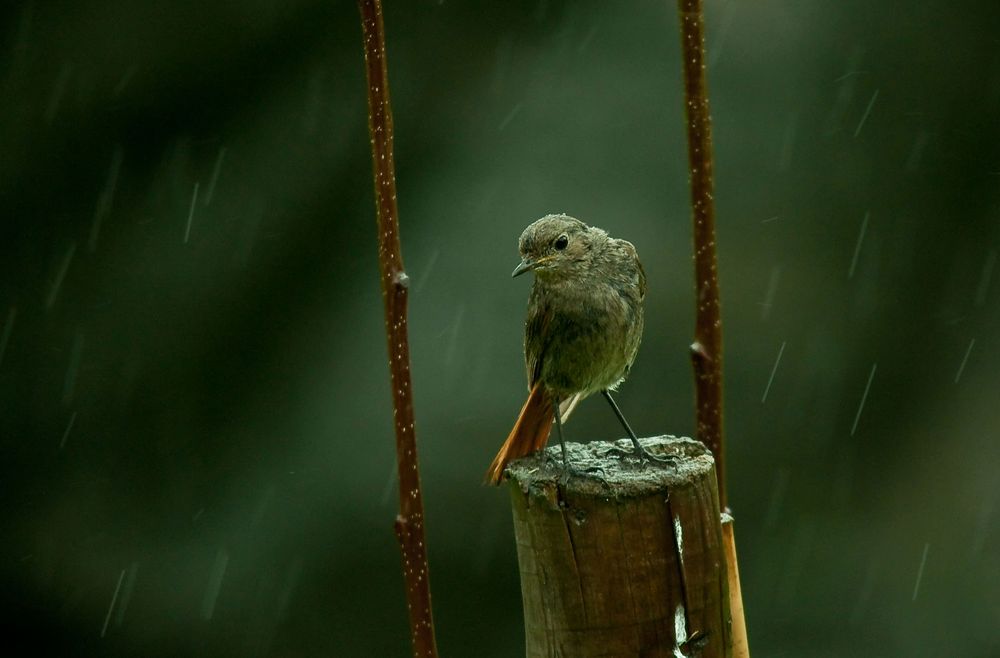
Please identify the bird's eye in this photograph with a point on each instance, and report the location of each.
(561, 242)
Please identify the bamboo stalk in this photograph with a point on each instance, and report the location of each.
(741, 646)
(409, 523)
(706, 351)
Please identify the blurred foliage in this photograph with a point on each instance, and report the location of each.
(196, 421)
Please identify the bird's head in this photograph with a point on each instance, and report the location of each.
(557, 246)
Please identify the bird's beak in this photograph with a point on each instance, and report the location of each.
(524, 267)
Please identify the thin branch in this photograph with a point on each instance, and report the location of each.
(395, 284)
(706, 352)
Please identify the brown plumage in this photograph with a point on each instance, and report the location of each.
(583, 327)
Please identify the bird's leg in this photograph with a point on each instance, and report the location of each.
(567, 468)
(559, 433)
(639, 451)
(562, 441)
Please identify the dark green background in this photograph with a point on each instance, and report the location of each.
(227, 398)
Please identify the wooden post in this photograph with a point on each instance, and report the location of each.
(623, 559)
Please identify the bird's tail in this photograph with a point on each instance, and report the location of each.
(530, 433)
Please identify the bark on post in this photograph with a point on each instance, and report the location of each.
(626, 560)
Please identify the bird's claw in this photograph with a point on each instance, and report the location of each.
(568, 470)
(644, 456)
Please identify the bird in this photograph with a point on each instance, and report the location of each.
(582, 331)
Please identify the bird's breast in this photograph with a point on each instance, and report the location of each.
(591, 336)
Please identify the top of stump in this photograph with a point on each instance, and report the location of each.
(616, 474)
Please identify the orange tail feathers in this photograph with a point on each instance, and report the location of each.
(530, 433)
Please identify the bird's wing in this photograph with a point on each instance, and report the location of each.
(642, 278)
(630, 250)
(536, 331)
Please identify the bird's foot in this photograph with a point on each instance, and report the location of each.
(568, 470)
(643, 455)
(595, 472)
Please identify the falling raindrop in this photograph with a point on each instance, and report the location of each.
(777, 497)
(587, 38)
(965, 359)
(453, 340)
(50, 300)
(857, 245)
(864, 397)
(510, 116)
(920, 571)
(770, 379)
(105, 200)
(719, 43)
(125, 79)
(69, 428)
(107, 618)
(133, 570)
(58, 91)
(215, 175)
(867, 587)
(845, 92)
(428, 268)
(864, 117)
(190, 217)
(984, 278)
(73, 369)
(389, 485)
(917, 151)
(214, 584)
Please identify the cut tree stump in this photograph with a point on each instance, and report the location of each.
(621, 559)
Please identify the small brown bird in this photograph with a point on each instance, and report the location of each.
(582, 332)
